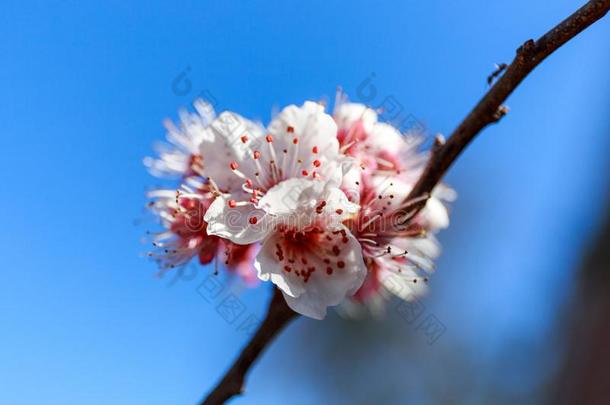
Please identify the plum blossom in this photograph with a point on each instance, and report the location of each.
(398, 250)
(308, 252)
(184, 235)
(398, 247)
(316, 204)
(280, 187)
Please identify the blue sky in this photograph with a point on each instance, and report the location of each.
(84, 87)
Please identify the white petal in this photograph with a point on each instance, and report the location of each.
(223, 145)
(402, 285)
(352, 183)
(285, 197)
(444, 192)
(387, 186)
(386, 137)
(338, 203)
(234, 223)
(205, 110)
(428, 247)
(312, 128)
(270, 268)
(347, 114)
(421, 251)
(435, 214)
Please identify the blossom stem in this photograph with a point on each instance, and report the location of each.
(278, 316)
(490, 109)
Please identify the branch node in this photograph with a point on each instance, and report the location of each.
(528, 47)
(500, 112)
(439, 141)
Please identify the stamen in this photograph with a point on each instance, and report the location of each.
(373, 219)
(384, 162)
(234, 166)
(295, 153)
(233, 203)
(273, 167)
(369, 241)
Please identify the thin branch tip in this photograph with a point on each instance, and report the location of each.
(491, 108)
(439, 141)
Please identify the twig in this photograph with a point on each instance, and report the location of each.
(499, 69)
(278, 316)
(490, 109)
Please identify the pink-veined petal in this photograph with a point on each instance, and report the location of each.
(315, 272)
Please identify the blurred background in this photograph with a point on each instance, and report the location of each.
(521, 291)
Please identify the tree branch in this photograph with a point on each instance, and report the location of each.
(278, 316)
(490, 109)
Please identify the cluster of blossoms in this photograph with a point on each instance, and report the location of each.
(316, 204)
